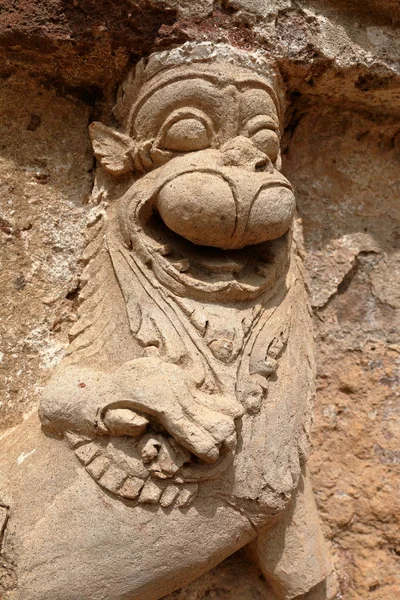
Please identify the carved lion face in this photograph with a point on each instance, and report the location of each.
(213, 201)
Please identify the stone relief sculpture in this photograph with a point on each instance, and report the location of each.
(185, 396)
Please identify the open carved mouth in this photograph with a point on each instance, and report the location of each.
(207, 261)
(213, 230)
(239, 272)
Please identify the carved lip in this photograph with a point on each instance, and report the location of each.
(221, 217)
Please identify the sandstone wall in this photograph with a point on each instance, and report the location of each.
(61, 62)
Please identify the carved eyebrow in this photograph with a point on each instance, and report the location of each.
(209, 100)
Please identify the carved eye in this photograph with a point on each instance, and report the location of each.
(187, 135)
(263, 131)
(267, 141)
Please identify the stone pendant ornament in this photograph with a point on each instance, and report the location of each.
(185, 396)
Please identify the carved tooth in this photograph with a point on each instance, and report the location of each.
(181, 265)
(165, 250)
(113, 478)
(131, 488)
(87, 452)
(149, 448)
(98, 466)
(157, 474)
(123, 421)
(151, 492)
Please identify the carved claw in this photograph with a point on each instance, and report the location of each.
(122, 403)
(123, 421)
(163, 391)
(163, 457)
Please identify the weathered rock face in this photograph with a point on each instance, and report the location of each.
(351, 223)
(341, 65)
(45, 181)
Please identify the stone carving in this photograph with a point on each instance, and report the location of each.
(190, 377)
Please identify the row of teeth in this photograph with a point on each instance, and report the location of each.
(183, 265)
(115, 480)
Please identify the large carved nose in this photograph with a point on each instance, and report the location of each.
(241, 152)
(199, 206)
(233, 199)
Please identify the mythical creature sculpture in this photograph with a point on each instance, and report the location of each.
(187, 388)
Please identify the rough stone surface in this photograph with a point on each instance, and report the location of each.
(341, 62)
(351, 223)
(45, 180)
